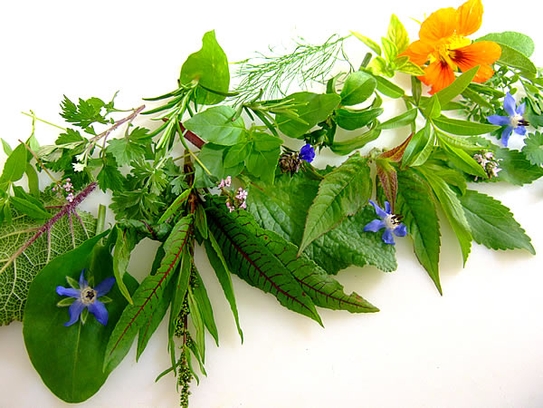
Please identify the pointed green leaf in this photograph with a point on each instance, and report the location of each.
(342, 192)
(372, 45)
(201, 298)
(217, 125)
(148, 295)
(463, 127)
(457, 87)
(388, 88)
(397, 33)
(415, 203)
(15, 165)
(492, 224)
(403, 119)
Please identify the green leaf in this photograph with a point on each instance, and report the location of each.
(518, 41)
(129, 148)
(69, 359)
(512, 58)
(217, 125)
(398, 34)
(252, 258)
(372, 45)
(148, 296)
(348, 146)
(457, 87)
(209, 68)
(355, 119)
(201, 299)
(27, 207)
(432, 109)
(15, 165)
(388, 88)
(220, 266)
(533, 148)
(516, 168)
(463, 127)
(125, 242)
(283, 209)
(20, 263)
(403, 119)
(492, 224)
(453, 209)
(342, 192)
(311, 109)
(358, 87)
(84, 113)
(415, 202)
(420, 147)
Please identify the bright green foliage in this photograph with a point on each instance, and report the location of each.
(218, 125)
(18, 268)
(209, 69)
(85, 113)
(69, 359)
(533, 148)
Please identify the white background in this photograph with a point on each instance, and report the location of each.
(479, 345)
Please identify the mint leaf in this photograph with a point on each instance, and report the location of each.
(492, 224)
(342, 192)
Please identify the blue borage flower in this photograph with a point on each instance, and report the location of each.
(391, 222)
(86, 297)
(515, 122)
(307, 153)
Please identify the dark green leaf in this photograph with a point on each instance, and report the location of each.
(403, 119)
(348, 146)
(492, 224)
(342, 192)
(420, 147)
(15, 165)
(358, 87)
(355, 119)
(516, 168)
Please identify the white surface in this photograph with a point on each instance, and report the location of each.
(480, 345)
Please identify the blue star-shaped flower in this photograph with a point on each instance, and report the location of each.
(390, 222)
(307, 153)
(515, 122)
(87, 297)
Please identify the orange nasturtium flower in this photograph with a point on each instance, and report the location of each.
(444, 46)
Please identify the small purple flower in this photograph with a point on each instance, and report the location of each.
(87, 298)
(307, 153)
(515, 122)
(391, 222)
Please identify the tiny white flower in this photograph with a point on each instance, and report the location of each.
(78, 167)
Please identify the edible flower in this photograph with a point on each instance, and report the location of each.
(444, 45)
(85, 299)
(514, 122)
(307, 153)
(390, 222)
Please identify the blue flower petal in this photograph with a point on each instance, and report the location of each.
(380, 212)
(521, 109)
(75, 310)
(307, 153)
(387, 237)
(506, 134)
(499, 120)
(62, 291)
(400, 230)
(509, 104)
(520, 130)
(374, 225)
(82, 282)
(105, 286)
(98, 309)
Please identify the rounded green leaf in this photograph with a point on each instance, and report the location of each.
(359, 86)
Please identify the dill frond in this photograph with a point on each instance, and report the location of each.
(270, 76)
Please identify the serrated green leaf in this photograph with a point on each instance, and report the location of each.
(18, 269)
(342, 192)
(516, 168)
(148, 295)
(492, 224)
(217, 125)
(415, 203)
(283, 209)
(209, 68)
(463, 127)
(533, 148)
(311, 109)
(358, 87)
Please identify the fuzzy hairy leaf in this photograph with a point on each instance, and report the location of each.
(17, 272)
(148, 296)
(342, 192)
(265, 260)
(492, 224)
(283, 209)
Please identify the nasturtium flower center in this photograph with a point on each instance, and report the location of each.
(447, 49)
